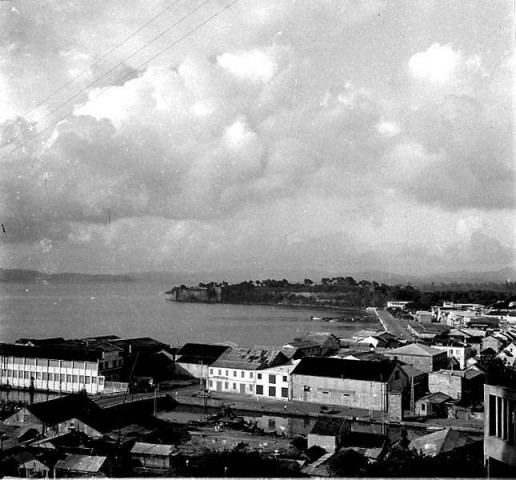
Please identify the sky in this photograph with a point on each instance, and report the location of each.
(340, 136)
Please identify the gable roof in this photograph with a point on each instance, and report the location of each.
(346, 369)
(64, 408)
(329, 426)
(81, 463)
(437, 397)
(143, 448)
(415, 349)
(250, 359)
(441, 441)
(200, 353)
(319, 337)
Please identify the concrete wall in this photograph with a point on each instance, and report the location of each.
(496, 421)
(50, 374)
(341, 392)
(451, 385)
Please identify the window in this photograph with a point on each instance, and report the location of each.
(272, 378)
(242, 373)
(306, 388)
(50, 377)
(26, 375)
(259, 376)
(272, 391)
(38, 375)
(88, 380)
(211, 383)
(68, 379)
(250, 374)
(9, 373)
(81, 378)
(226, 385)
(234, 373)
(250, 388)
(15, 373)
(211, 371)
(227, 373)
(259, 389)
(220, 371)
(423, 407)
(101, 381)
(75, 378)
(234, 386)
(62, 377)
(94, 380)
(285, 378)
(66, 364)
(284, 392)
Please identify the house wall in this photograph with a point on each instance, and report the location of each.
(424, 363)
(51, 374)
(231, 380)
(461, 354)
(451, 385)
(153, 461)
(341, 392)
(194, 369)
(500, 424)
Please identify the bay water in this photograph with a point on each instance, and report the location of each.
(141, 309)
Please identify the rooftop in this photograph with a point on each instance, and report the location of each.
(415, 349)
(441, 441)
(54, 351)
(250, 359)
(152, 449)
(200, 353)
(346, 369)
(81, 463)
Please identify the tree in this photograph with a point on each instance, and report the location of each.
(308, 282)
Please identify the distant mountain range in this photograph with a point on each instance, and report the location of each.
(234, 276)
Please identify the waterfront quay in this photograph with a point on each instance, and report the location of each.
(398, 327)
(407, 385)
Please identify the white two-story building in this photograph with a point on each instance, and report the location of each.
(248, 371)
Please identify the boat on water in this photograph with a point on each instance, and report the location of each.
(333, 319)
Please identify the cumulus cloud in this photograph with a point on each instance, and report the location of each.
(268, 136)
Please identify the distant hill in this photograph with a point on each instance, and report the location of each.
(240, 275)
(32, 276)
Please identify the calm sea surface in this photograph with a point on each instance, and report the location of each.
(131, 309)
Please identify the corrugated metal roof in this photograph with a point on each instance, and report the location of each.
(81, 463)
(415, 349)
(249, 359)
(152, 449)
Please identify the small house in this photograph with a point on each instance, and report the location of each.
(151, 455)
(433, 405)
(75, 465)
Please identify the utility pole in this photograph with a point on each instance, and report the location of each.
(412, 409)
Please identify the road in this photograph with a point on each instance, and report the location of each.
(393, 325)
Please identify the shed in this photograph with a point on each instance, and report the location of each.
(432, 405)
(152, 455)
(74, 465)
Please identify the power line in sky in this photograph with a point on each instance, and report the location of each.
(105, 74)
(89, 67)
(180, 39)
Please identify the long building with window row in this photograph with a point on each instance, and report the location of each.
(51, 368)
